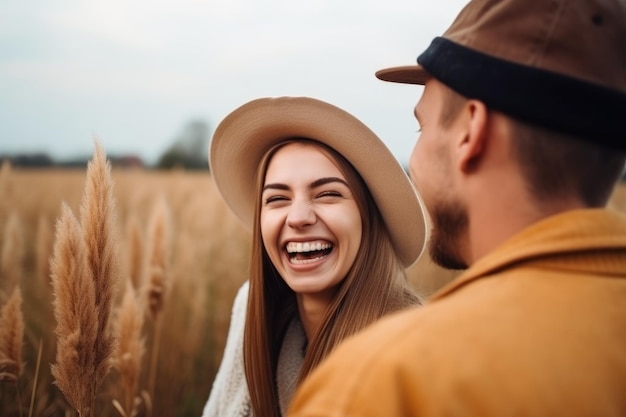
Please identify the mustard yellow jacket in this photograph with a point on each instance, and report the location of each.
(536, 328)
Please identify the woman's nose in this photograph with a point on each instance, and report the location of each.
(300, 214)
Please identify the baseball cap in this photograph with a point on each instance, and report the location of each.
(560, 64)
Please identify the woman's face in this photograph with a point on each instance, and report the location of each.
(310, 222)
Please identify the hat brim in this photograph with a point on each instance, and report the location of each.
(245, 135)
(408, 74)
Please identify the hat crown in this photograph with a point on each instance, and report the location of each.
(581, 39)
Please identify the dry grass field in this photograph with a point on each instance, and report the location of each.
(207, 259)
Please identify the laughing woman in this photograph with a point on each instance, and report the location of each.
(335, 222)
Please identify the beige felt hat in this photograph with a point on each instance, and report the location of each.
(245, 135)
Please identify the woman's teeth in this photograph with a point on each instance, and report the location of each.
(307, 252)
(299, 247)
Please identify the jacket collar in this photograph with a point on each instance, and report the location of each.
(570, 240)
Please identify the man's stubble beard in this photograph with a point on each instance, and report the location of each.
(450, 223)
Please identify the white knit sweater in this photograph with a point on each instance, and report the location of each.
(229, 396)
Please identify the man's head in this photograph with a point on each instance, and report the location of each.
(547, 76)
(469, 156)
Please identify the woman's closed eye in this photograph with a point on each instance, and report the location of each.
(274, 199)
(329, 194)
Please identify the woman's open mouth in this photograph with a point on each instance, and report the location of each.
(307, 252)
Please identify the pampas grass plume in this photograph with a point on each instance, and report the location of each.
(156, 283)
(11, 337)
(85, 270)
(97, 220)
(11, 317)
(131, 347)
(156, 273)
(76, 315)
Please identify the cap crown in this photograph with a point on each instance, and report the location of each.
(584, 39)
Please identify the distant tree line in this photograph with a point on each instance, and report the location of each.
(43, 160)
(189, 150)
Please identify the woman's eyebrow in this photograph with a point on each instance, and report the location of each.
(314, 184)
(275, 186)
(328, 180)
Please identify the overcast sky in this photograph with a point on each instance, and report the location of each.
(135, 72)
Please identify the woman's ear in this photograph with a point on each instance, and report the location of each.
(474, 141)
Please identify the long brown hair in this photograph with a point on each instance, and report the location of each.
(374, 286)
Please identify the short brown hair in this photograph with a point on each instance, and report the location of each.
(557, 164)
(452, 103)
(553, 163)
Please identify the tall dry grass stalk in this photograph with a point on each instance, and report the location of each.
(130, 349)
(97, 217)
(135, 251)
(43, 250)
(11, 339)
(76, 314)
(35, 379)
(12, 334)
(11, 316)
(85, 272)
(156, 281)
(12, 257)
(193, 290)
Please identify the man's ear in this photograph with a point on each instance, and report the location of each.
(473, 144)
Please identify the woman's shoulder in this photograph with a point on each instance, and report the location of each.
(241, 301)
(242, 292)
